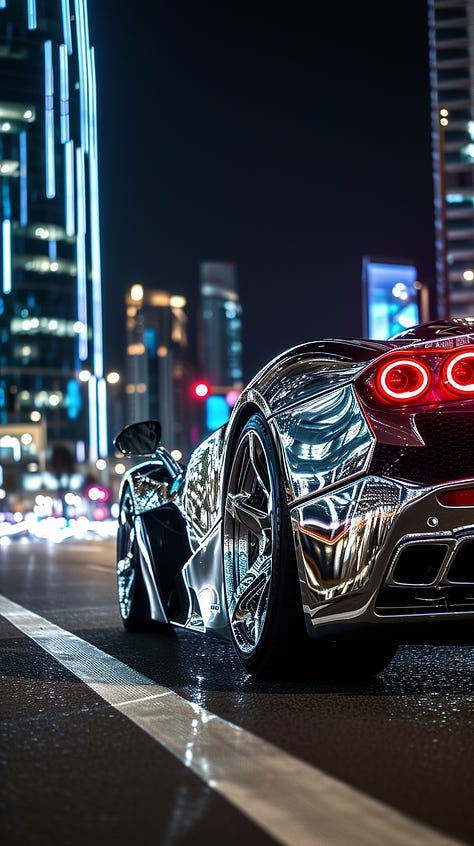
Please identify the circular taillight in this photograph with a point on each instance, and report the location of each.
(458, 373)
(403, 379)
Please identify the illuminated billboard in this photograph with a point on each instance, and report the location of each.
(390, 296)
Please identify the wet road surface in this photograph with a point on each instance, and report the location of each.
(73, 767)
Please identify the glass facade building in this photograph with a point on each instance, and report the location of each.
(451, 34)
(51, 351)
(220, 339)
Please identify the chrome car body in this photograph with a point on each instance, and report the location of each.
(377, 491)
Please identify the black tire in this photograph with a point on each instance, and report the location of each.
(132, 596)
(260, 575)
(343, 661)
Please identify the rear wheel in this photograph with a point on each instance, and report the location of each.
(261, 586)
(132, 596)
(263, 597)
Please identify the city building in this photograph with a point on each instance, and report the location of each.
(51, 350)
(220, 339)
(451, 35)
(158, 376)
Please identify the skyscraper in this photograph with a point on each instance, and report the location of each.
(451, 34)
(157, 378)
(51, 297)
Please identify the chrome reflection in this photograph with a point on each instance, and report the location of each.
(209, 603)
(300, 381)
(341, 534)
(150, 493)
(156, 483)
(325, 441)
(311, 369)
(202, 487)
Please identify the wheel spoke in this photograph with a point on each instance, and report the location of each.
(255, 520)
(248, 542)
(255, 464)
(249, 608)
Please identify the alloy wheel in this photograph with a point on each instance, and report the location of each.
(248, 542)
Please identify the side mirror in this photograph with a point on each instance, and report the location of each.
(139, 438)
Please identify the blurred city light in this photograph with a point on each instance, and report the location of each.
(232, 397)
(136, 293)
(201, 390)
(96, 493)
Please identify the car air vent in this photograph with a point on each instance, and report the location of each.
(419, 564)
(448, 453)
(461, 570)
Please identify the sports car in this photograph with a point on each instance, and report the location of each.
(328, 521)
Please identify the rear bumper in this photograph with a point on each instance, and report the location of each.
(381, 553)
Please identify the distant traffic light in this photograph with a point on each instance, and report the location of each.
(201, 390)
(96, 493)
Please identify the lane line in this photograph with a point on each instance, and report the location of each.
(289, 799)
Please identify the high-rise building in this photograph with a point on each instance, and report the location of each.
(220, 338)
(157, 367)
(451, 34)
(51, 353)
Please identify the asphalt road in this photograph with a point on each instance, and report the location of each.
(172, 743)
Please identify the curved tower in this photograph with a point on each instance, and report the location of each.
(51, 356)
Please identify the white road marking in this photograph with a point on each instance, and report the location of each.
(289, 799)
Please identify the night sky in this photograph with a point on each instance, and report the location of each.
(290, 138)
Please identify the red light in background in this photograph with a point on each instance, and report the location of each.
(101, 512)
(201, 390)
(97, 494)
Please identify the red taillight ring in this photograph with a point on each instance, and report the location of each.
(451, 380)
(422, 379)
